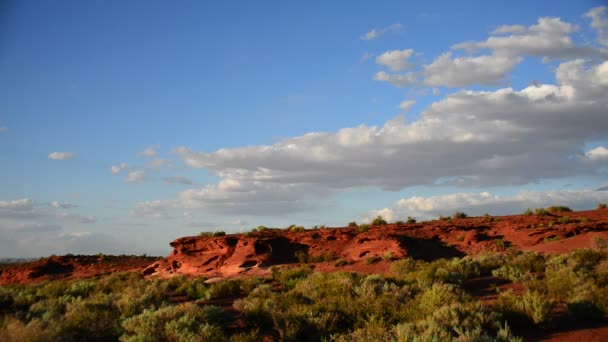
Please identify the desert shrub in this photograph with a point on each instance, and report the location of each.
(528, 212)
(364, 228)
(352, 224)
(297, 229)
(582, 219)
(371, 260)
(459, 215)
(406, 266)
(490, 261)
(14, 330)
(558, 209)
(388, 256)
(193, 289)
(541, 212)
(601, 205)
(134, 300)
(219, 233)
(96, 319)
(179, 322)
(521, 266)
(600, 242)
(224, 289)
(303, 257)
(399, 223)
(531, 306)
(288, 277)
(467, 267)
(340, 263)
(444, 218)
(411, 220)
(563, 220)
(458, 322)
(378, 221)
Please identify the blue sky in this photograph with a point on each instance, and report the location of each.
(280, 112)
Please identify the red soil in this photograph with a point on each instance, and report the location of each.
(252, 254)
(71, 267)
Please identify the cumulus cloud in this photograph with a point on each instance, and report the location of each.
(61, 155)
(376, 33)
(150, 151)
(29, 227)
(178, 180)
(463, 71)
(135, 176)
(23, 204)
(597, 153)
(396, 60)
(153, 209)
(486, 202)
(116, 169)
(599, 22)
(549, 38)
(406, 105)
(61, 205)
(398, 80)
(158, 163)
(469, 138)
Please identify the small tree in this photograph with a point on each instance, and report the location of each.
(378, 221)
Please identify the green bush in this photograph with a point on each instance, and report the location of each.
(558, 209)
(411, 220)
(378, 221)
(352, 224)
(340, 263)
(601, 205)
(459, 215)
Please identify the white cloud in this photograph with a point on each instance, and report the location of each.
(597, 153)
(135, 176)
(398, 80)
(462, 71)
(116, 169)
(376, 33)
(28, 227)
(61, 155)
(153, 209)
(60, 205)
(23, 204)
(518, 29)
(486, 202)
(158, 163)
(599, 21)
(406, 105)
(150, 151)
(549, 38)
(469, 138)
(178, 180)
(396, 60)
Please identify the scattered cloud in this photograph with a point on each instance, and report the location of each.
(406, 105)
(153, 209)
(60, 205)
(135, 176)
(376, 33)
(61, 155)
(116, 169)
(549, 38)
(597, 153)
(457, 72)
(396, 60)
(23, 204)
(150, 151)
(398, 80)
(475, 138)
(178, 180)
(29, 227)
(599, 22)
(158, 163)
(486, 202)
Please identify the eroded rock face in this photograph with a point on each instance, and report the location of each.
(254, 253)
